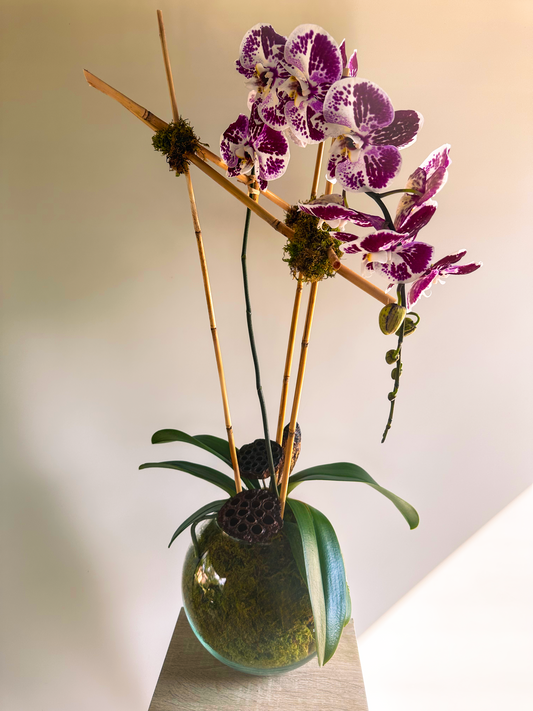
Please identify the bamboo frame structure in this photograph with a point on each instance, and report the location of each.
(203, 265)
(156, 124)
(288, 361)
(297, 395)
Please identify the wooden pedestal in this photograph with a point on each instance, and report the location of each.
(192, 680)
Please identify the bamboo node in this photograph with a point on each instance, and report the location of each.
(175, 142)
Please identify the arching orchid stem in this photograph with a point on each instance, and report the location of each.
(397, 366)
(400, 190)
(205, 272)
(383, 207)
(259, 387)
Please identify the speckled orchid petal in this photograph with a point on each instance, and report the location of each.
(353, 64)
(417, 218)
(381, 241)
(427, 179)
(233, 137)
(307, 125)
(404, 263)
(374, 170)
(315, 53)
(272, 151)
(272, 111)
(401, 132)
(342, 50)
(329, 210)
(441, 269)
(359, 105)
(261, 45)
(246, 72)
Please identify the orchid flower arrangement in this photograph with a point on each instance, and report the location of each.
(304, 89)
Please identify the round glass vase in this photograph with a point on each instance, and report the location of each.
(247, 603)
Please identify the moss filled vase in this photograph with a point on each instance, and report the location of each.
(247, 602)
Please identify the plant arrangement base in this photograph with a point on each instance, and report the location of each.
(192, 680)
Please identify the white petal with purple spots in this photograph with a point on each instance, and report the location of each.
(359, 105)
(403, 264)
(315, 53)
(401, 132)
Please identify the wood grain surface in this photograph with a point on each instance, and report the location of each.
(192, 680)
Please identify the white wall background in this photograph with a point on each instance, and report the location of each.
(105, 336)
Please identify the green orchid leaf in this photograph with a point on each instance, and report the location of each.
(199, 470)
(333, 580)
(348, 615)
(304, 519)
(213, 507)
(295, 540)
(214, 445)
(345, 471)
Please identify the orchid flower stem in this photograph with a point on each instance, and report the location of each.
(397, 365)
(400, 190)
(259, 387)
(384, 210)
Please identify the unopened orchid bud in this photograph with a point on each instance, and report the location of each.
(391, 356)
(391, 317)
(410, 326)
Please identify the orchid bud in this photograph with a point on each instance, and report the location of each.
(391, 318)
(410, 326)
(391, 356)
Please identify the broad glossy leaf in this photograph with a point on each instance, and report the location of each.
(215, 445)
(199, 470)
(345, 471)
(348, 614)
(213, 507)
(333, 581)
(304, 518)
(295, 540)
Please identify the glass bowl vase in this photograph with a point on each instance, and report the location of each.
(248, 603)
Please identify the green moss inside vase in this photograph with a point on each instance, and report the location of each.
(247, 603)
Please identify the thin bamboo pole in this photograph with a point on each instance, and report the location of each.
(155, 123)
(288, 361)
(318, 165)
(297, 394)
(203, 264)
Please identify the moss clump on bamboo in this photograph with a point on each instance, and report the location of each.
(174, 141)
(249, 603)
(307, 251)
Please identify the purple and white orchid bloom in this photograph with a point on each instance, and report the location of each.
(365, 154)
(314, 61)
(393, 255)
(249, 143)
(261, 62)
(438, 272)
(332, 210)
(427, 180)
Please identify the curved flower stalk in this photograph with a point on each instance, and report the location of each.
(365, 154)
(249, 144)
(438, 272)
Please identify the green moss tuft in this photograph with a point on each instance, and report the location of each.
(175, 141)
(249, 602)
(307, 252)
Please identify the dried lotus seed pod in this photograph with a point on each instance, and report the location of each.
(252, 516)
(253, 460)
(295, 450)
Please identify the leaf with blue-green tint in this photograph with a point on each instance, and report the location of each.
(214, 445)
(202, 472)
(304, 519)
(213, 507)
(333, 580)
(345, 471)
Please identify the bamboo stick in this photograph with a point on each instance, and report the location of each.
(203, 264)
(318, 165)
(297, 395)
(288, 361)
(155, 123)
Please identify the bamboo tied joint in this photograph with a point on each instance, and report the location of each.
(203, 265)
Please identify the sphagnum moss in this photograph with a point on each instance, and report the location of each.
(249, 602)
(307, 253)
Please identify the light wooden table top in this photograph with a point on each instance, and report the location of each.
(193, 680)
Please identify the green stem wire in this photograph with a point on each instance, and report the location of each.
(397, 365)
(271, 468)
